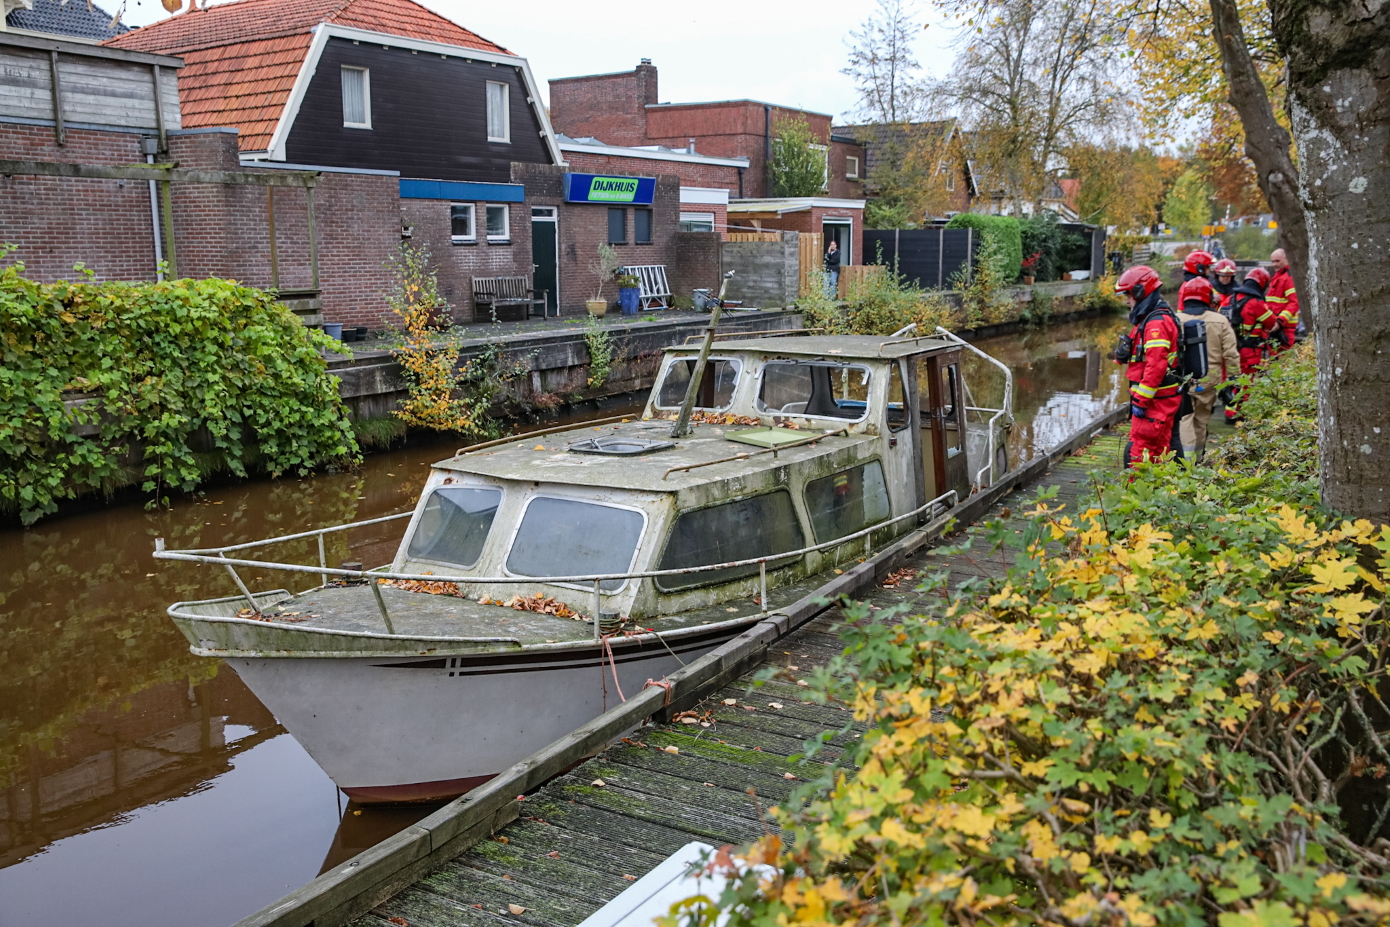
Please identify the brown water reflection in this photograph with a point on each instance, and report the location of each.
(141, 785)
(1063, 378)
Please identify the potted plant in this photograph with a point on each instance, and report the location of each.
(603, 267)
(1028, 264)
(630, 293)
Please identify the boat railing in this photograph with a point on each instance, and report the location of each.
(218, 556)
(995, 414)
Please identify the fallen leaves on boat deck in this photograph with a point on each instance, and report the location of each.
(428, 586)
(543, 604)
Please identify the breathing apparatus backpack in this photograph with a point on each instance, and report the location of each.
(1191, 347)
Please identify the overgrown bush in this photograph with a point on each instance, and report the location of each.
(107, 384)
(1003, 230)
(1169, 713)
(1279, 431)
(878, 304)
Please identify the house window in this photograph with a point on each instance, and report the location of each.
(499, 123)
(697, 222)
(498, 223)
(642, 226)
(944, 168)
(461, 228)
(825, 164)
(617, 226)
(357, 98)
(851, 168)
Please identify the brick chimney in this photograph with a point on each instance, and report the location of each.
(646, 82)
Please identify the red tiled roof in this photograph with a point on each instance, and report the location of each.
(242, 58)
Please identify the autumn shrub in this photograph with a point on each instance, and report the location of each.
(1279, 430)
(1002, 232)
(1170, 712)
(158, 384)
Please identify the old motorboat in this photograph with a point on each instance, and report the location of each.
(540, 578)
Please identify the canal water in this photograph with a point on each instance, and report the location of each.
(140, 785)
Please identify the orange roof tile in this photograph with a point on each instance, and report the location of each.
(242, 58)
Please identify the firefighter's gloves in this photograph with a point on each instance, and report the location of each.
(1137, 411)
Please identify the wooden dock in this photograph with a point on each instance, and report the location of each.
(584, 837)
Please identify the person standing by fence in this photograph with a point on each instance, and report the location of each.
(832, 269)
(1197, 300)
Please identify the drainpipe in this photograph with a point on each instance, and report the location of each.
(147, 144)
(740, 183)
(767, 150)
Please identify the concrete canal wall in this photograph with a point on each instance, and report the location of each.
(392, 867)
(549, 367)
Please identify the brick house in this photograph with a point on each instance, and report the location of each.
(387, 85)
(116, 108)
(623, 109)
(886, 147)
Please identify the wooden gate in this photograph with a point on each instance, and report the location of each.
(809, 253)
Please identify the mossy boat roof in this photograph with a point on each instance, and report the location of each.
(546, 458)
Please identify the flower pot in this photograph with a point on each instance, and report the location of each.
(597, 307)
(361, 333)
(333, 330)
(630, 299)
(1027, 280)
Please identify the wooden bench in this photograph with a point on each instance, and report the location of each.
(655, 292)
(507, 299)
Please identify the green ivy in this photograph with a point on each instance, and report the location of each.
(105, 384)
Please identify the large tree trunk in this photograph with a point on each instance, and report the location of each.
(1266, 141)
(1338, 54)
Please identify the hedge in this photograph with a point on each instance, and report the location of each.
(104, 384)
(1004, 231)
(1169, 713)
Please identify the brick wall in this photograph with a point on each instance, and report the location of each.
(56, 222)
(584, 226)
(610, 107)
(698, 263)
(457, 264)
(219, 230)
(841, 187)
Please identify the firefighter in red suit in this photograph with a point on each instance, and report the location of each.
(1282, 300)
(1223, 281)
(1253, 321)
(1197, 264)
(1151, 351)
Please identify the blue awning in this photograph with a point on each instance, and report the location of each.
(462, 190)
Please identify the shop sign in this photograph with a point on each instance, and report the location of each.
(597, 188)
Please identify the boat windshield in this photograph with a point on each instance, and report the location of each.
(454, 525)
(818, 389)
(567, 537)
(716, 386)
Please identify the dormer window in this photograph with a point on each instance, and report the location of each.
(357, 98)
(499, 123)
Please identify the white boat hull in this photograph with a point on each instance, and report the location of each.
(396, 729)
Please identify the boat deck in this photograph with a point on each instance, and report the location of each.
(579, 844)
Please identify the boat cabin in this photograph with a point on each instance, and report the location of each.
(796, 442)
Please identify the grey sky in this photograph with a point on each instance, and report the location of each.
(781, 52)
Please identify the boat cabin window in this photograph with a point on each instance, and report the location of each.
(454, 525)
(756, 527)
(848, 501)
(716, 386)
(818, 389)
(567, 537)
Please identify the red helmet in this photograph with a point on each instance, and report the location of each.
(1139, 281)
(1260, 276)
(1198, 262)
(1198, 289)
(1224, 268)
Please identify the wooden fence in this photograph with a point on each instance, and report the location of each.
(809, 254)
